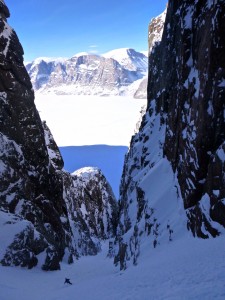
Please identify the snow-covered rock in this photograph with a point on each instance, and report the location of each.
(95, 201)
(155, 31)
(35, 220)
(174, 173)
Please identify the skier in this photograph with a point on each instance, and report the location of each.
(67, 280)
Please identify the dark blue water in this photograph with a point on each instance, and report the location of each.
(109, 159)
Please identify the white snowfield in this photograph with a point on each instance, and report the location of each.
(186, 269)
(90, 120)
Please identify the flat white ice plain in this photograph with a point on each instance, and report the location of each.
(90, 120)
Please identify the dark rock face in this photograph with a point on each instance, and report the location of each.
(53, 150)
(182, 133)
(4, 10)
(35, 193)
(192, 94)
(30, 186)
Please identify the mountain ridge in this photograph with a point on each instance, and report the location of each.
(120, 71)
(87, 74)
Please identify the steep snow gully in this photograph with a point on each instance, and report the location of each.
(164, 238)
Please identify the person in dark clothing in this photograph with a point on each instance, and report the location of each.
(67, 280)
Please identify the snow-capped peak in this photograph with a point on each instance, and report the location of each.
(86, 172)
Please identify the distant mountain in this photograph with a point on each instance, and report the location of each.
(117, 72)
(88, 74)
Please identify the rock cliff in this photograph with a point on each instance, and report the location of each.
(36, 225)
(173, 178)
(155, 31)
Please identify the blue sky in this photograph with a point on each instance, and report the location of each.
(64, 28)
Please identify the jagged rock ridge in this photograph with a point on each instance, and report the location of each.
(35, 192)
(174, 173)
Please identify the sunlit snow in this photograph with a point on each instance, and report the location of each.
(90, 120)
(187, 269)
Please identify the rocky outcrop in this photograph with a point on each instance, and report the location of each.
(155, 31)
(4, 10)
(173, 177)
(94, 202)
(35, 192)
(88, 74)
(52, 148)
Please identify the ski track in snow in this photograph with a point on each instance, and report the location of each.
(185, 269)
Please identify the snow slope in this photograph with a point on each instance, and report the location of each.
(187, 269)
